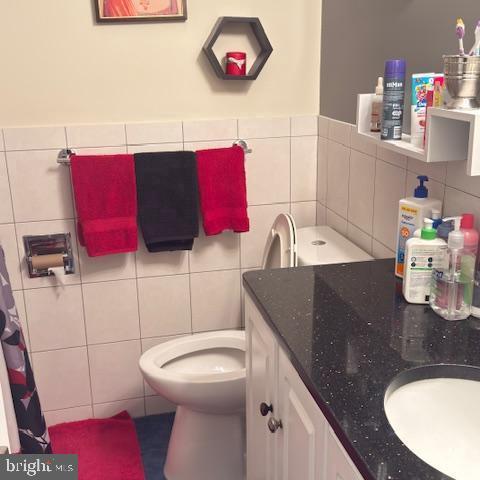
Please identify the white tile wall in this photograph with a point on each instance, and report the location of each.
(55, 317)
(367, 210)
(164, 306)
(263, 127)
(215, 300)
(143, 133)
(338, 173)
(304, 159)
(268, 171)
(90, 136)
(114, 371)
(86, 337)
(40, 190)
(111, 311)
(62, 378)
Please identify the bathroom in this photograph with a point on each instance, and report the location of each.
(75, 79)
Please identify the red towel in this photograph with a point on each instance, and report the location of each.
(223, 191)
(106, 448)
(106, 203)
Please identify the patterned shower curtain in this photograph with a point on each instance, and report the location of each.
(32, 429)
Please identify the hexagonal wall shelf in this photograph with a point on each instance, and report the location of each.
(261, 37)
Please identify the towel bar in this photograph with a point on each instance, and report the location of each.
(64, 155)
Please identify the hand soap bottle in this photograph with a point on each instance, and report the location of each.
(422, 255)
(452, 284)
(412, 211)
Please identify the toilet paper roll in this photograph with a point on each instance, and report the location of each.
(42, 262)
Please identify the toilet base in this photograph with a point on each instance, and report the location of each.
(205, 446)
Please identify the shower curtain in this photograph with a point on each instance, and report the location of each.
(32, 429)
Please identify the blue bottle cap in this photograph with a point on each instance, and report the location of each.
(395, 67)
(421, 191)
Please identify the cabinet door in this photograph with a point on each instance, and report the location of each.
(339, 465)
(301, 440)
(261, 385)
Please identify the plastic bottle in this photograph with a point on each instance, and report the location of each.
(467, 226)
(437, 221)
(377, 107)
(452, 284)
(421, 257)
(444, 229)
(393, 100)
(437, 218)
(471, 245)
(412, 211)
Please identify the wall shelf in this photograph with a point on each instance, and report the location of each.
(260, 36)
(452, 136)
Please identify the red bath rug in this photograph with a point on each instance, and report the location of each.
(106, 448)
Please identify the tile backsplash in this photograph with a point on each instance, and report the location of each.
(359, 186)
(85, 338)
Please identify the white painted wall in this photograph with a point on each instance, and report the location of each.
(58, 66)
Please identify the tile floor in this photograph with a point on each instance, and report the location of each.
(153, 435)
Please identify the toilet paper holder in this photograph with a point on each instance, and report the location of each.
(45, 252)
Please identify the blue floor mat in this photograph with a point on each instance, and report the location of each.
(153, 435)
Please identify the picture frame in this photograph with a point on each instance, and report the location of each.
(119, 11)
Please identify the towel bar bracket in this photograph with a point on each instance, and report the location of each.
(243, 144)
(64, 155)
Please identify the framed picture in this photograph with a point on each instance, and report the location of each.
(140, 10)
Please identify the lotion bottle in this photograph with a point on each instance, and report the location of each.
(412, 211)
(422, 255)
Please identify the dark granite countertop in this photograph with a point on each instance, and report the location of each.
(349, 333)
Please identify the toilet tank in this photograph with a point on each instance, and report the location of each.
(321, 245)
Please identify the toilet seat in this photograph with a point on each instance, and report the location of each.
(281, 246)
(158, 360)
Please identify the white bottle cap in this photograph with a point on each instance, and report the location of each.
(436, 214)
(456, 239)
(379, 87)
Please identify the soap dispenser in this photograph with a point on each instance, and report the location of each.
(421, 257)
(452, 284)
(412, 211)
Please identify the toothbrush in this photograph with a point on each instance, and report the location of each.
(460, 35)
(476, 47)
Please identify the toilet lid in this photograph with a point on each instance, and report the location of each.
(281, 247)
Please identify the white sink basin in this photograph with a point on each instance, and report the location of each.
(438, 419)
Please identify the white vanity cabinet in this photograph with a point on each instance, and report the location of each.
(288, 437)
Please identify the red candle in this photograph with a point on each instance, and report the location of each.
(236, 63)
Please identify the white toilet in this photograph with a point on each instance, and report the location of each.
(204, 374)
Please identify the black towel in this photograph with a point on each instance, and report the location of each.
(167, 192)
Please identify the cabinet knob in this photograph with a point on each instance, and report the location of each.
(274, 424)
(264, 409)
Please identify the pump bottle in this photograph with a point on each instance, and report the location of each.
(452, 284)
(422, 256)
(412, 211)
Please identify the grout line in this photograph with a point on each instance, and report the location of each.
(349, 179)
(190, 294)
(86, 341)
(290, 162)
(139, 322)
(68, 408)
(131, 278)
